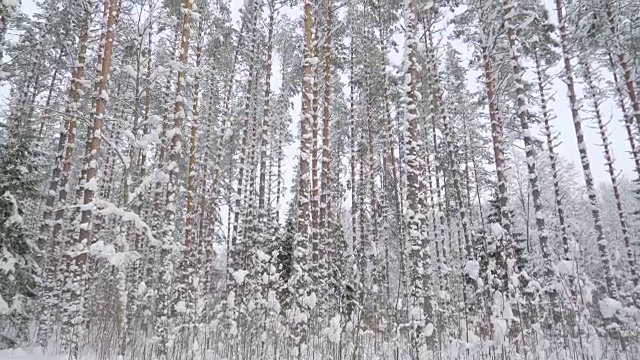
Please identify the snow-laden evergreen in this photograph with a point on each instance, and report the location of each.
(266, 179)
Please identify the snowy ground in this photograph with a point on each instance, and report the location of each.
(19, 354)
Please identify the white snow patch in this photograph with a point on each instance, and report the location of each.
(311, 300)
(18, 304)
(428, 330)
(122, 259)
(15, 217)
(334, 330)
(300, 317)
(142, 289)
(129, 70)
(231, 299)
(11, 3)
(609, 307)
(472, 269)
(272, 301)
(262, 256)
(239, 275)
(181, 307)
(31, 354)
(507, 312)
(499, 329)
(100, 249)
(473, 340)
(497, 230)
(565, 267)
(8, 262)
(4, 307)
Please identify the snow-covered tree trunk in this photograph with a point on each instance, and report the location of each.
(315, 189)
(225, 128)
(326, 181)
(192, 255)
(301, 238)
(242, 196)
(627, 117)
(603, 246)
(510, 11)
(391, 165)
(437, 185)
(193, 144)
(553, 157)
(58, 190)
(420, 305)
(174, 137)
(91, 184)
(265, 126)
(501, 252)
(623, 61)
(352, 152)
(87, 275)
(594, 94)
(374, 233)
(505, 247)
(7, 10)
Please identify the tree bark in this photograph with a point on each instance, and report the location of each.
(592, 93)
(603, 247)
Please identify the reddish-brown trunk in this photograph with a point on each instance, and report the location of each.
(623, 62)
(98, 123)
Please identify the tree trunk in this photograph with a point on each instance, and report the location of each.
(191, 177)
(168, 229)
(415, 218)
(623, 62)
(523, 114)
(91, 184)
(504, 244)
(352, 151)
(593, 93)
(612, 287)
(552, 156)
(315, 245)
(306, 120)
(59, 180)
(325, 181)
(305, 152)
(266, 120)
(627, 117)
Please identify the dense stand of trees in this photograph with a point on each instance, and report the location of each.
(333, 179)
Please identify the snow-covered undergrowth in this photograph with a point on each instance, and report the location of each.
(367, 346)
(30, 354)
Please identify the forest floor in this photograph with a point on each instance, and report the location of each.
(20, 354)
